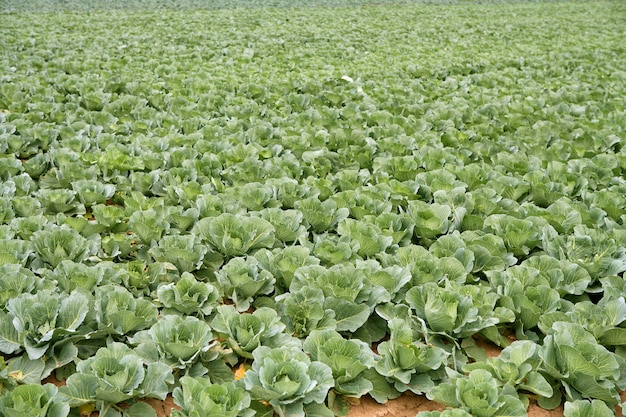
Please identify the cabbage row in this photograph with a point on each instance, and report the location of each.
(276, 212)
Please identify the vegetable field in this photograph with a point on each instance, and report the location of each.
(250, 209)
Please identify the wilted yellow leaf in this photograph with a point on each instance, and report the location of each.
(87, 409)
(240, 372)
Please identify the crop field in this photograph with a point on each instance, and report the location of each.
(274, 209)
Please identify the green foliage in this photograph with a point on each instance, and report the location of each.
(198, 397)
(177, 341)
(188, 296)
(339, 204)
(113, 375)
(585, 368)
(593, 408)
(235, 236)
(242, 279)
(33, 400)
(480, 395)
(289, 381)
(348, 360)
(245, 332)
(36, 321)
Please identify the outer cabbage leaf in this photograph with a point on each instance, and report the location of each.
(583, 408)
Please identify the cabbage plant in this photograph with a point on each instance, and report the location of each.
(369, 236)
(585, 369)
(33, 400)
(91, 192)
(188, 296)
(198, 397)
(480, 394)
(16, 280)
(116, 374)
(282, 263)
(37, 321)
(289, 381)
(236, 235)
(406, 361)
(62, 243)
(119, 312)
(287, 224)
(244, 332)
(321, 216)
(242, 280)
(177, 341)
(185, 252)
(304, 311)
(517, 365)
(347, 292)
(348, 359)
(457, 310)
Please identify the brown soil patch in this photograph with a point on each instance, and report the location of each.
(535, 411)
(407, 405)
(162, 408)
